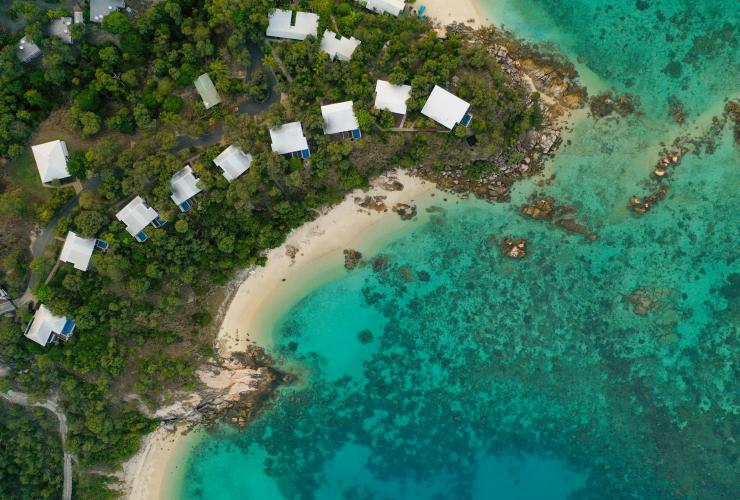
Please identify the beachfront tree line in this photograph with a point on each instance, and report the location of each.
(143, 310)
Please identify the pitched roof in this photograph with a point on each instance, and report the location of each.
(43, 325)
(393, 7)
(339, 117)
(340, 48)
(207, 91)
(77, 251)
(184, 185)
(101, 8)
(51, 160)
(281, 25)
(288, 138)
(392, 97)
(62, 28)
(79, 17)
(136, 215)
(27, 50)
(233, 161)
(445, 107)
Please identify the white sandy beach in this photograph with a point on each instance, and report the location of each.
(454, 11)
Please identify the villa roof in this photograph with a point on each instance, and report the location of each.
(43, 325)
(339, 117)
(79, 17)
(51, 160)
(233, 161)
(62, 28)
(101, 8)
(184, 185)
(339, 48)
(281, 25)
(392, 97)
(445, 108)
(27, 50)
(77, 251)
(207, 91)
(393, 7)
(288, 138)
(136, 215)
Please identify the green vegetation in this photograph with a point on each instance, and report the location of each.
(142, 320)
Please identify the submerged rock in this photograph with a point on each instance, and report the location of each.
(573, 226)
(365, 336)
(541, 209)
(514, 248)
(392, 185)
(380, 263)
(351, 258)
(406, 273)
(376, 203)
(405, 211)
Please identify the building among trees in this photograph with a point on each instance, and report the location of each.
(45, 326)
(61, 28)
(340, 118)
(206, 89)
(282, 25)
(27, 50)
(392, 97)
(392, 7)
(51, 160)
(77, 251)
(101, 8)
(137, 215)
(446, 108)
(339, 48)
(289, 140)
(233, 162)
(184, 187)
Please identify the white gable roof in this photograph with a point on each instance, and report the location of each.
(306, 24)
(136, 215)
(62, 28)
(233, 161)
(288, 138)
(51, 160)
(392, 97)
(43, 324)
(444, 107)
(27, 50)
(339, 117)
(393, 7)
(340, 48)
(184, 185)
(207, 91)
(77, 251)
(101, 8)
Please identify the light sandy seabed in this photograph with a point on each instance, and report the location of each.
(270, 290)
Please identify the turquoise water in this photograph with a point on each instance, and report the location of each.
(459, 373)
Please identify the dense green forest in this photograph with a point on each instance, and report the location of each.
(144, 311)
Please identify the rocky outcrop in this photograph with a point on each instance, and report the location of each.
(351, 258)
(376, 203)
(516, 248)
(606, 103)
(544, 208)
(405, 211)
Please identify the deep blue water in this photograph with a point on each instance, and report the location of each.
(459, 373)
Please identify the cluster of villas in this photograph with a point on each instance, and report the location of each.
(288, 139)
(27, 50)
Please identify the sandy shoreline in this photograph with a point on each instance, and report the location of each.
(455, 11)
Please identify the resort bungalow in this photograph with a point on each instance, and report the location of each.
(45, 326)
(392, 7)
(184, 187)
(137, 215)
(446, 108)
(289, 140)
(27, 50)
(392, 97)
(207, 91)
(340, 119)
(6, 304)
(51, 160)
(338, 48)
(233, 162)
(60, 28)
(78, 251)
(101, 8)
(282, 25)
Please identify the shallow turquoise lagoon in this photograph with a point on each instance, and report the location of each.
(458, 373)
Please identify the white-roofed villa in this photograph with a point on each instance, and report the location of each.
(51, 160)
(338, 48)
(340, 118)
(62, 28)
(289, 140)
(446, 108)
(26, 50)
(392, 7)
(233, 162)
(392, 97)
(101, 8)
(282, 24)
(45, 326)
(207, 90)
(184, 187)
(78, 251)
(137, 215)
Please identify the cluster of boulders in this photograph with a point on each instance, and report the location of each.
(516, 248)
(376, 203)
(676, 109)
(606, 103)
(351, 258)
(405, 211)
(544, 208)
(667, 161)
(732, 108)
